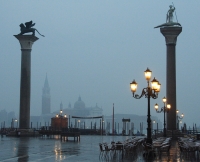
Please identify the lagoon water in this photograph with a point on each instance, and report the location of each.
(53, 149)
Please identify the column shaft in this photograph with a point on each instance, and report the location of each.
(171, 34)
(171, 85)
(25, 89)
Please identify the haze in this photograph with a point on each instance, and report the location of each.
(95, 49)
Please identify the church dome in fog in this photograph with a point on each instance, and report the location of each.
(79, 104)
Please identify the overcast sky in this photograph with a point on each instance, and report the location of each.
(95, 49)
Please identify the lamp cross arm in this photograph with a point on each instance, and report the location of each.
(144, 92)
(166, 109)
(179, 117)
(153, 94)
(161, 110)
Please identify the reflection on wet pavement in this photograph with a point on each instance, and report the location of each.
(51, 149)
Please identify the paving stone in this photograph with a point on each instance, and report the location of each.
(87, 150)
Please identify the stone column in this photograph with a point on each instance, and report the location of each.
(26, 42)
(171, 34)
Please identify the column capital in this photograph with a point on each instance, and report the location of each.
(26, 41)
(171, 34)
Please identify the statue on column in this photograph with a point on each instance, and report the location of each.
(27, 28)
(169, 19)
(170, 14)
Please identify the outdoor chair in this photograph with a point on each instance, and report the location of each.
(192, 151)
(119, 149)
(148, 149)
(165, 149)
(102, 151)
(183, 150)
(134, 148)
(128, 149)
(107, 151)
(165, 143)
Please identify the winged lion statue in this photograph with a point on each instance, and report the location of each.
(27, 28)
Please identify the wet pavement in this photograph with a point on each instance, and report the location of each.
(53, 149)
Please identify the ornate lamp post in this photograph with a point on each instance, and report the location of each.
(148, 92)
(163, 109)
(178, 118)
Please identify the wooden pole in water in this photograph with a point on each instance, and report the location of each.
(113, 121)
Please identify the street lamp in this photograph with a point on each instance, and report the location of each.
(156, 125)
(60, 116)
(178, 118)
(79, 124)
(163, 109)
(154, 122)
(103, 126)
(61, 112)
(17, 122)
(148, 92)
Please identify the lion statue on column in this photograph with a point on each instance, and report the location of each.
(27, 28)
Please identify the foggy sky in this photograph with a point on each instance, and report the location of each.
(95, 49)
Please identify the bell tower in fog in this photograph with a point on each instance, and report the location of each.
(46, 98)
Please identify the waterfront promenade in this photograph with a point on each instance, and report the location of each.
(51, 149)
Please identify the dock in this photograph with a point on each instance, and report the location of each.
(64, 134)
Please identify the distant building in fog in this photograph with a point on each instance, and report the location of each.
(46, 98)
(6, 119)
(81, 110)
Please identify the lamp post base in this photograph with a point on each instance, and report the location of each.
(165, 135)
(149, 140)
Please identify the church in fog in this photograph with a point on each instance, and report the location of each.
(79, 109)
(46, 98)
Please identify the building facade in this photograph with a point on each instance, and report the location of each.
(59, 122)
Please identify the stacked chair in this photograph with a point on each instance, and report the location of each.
(189, 148)
(120, 149)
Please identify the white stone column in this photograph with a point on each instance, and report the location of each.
(26, 42)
